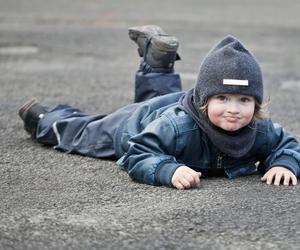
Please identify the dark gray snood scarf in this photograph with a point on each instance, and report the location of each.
(228, 68)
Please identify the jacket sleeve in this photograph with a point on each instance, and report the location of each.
(150, 156)
(281, 149)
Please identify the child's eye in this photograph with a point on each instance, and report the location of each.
(221, 97)
(245, 99)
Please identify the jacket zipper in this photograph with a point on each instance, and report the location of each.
(219, 161)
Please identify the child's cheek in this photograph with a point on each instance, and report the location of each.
(250, 113)
(214, 115)
(248, 118)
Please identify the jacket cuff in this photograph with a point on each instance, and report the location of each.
(165, 172)
(288, 162)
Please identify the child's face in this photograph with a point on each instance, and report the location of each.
(230, 111)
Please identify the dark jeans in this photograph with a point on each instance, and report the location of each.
(68, 129)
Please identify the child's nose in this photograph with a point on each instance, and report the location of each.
(233, 108)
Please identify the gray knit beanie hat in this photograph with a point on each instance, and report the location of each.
(228, 68)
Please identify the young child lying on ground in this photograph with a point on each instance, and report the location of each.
(173, 138)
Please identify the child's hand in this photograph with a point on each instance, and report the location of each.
(278, 173)
(185, 178)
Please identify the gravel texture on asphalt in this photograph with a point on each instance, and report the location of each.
(78, 52)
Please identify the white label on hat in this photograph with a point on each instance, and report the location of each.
(235, 82)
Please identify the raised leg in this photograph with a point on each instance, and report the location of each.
(156, 75)
(150, 83)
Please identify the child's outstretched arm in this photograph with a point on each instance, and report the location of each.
(151, 154)
(280, 155)
(185, 178)
(277, 173)
(151, 157)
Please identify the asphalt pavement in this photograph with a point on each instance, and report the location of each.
(78, 52)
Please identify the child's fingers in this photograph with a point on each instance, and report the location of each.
(196, 177)
(189, 178)
(178, 185)
(197, 181)
(278, 178)
(294, 180)
(276, 174)
(193, 179)
(264, 177)
(185, 182)
(287, 179)
(185, 178)
(270, 178)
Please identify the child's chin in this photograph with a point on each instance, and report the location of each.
(231, 128)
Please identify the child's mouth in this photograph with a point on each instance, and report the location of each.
(231, 118)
